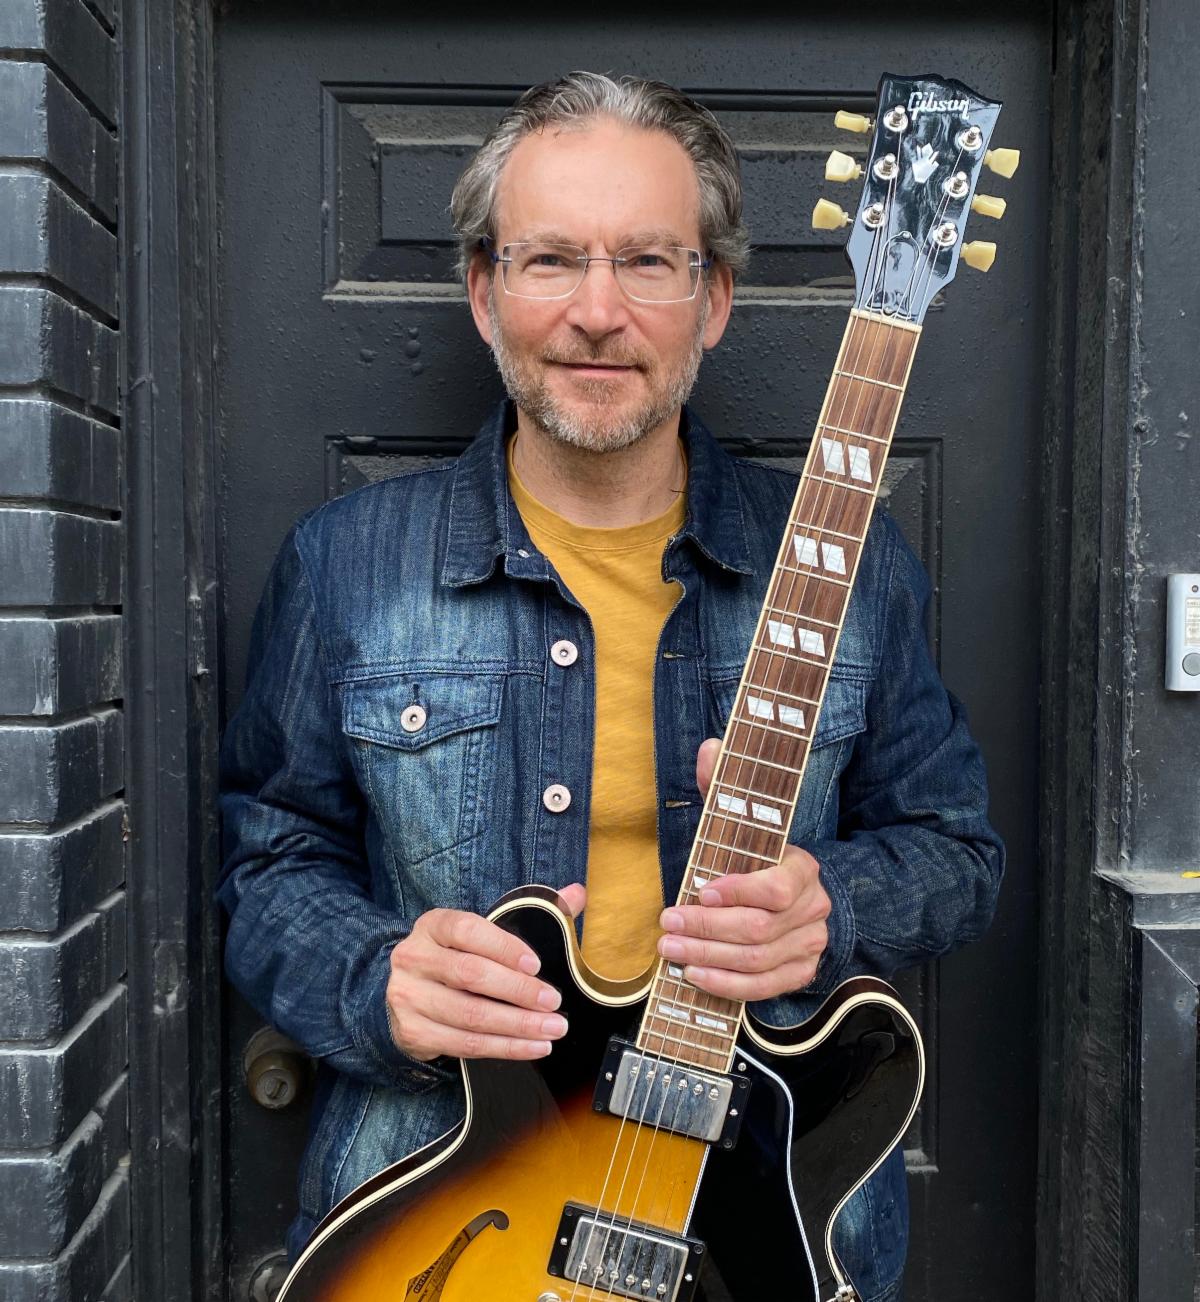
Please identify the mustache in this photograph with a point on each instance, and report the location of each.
(596, 357)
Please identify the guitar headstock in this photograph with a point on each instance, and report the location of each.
(931, 139)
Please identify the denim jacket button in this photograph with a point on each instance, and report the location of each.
(413, 718)
(556, 798)
(564, 653)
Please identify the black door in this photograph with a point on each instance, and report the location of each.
(347, 351)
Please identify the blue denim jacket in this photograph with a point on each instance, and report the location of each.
(342, 828)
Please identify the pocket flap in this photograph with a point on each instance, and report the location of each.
(373, 708)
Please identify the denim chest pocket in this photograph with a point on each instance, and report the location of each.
(843, 718)
(424, 747)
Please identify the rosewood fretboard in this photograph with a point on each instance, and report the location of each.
(749, 806)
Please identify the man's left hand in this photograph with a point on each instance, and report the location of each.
(753, 935)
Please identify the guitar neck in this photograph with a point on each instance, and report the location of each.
(750, 803)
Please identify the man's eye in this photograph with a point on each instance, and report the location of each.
(549, 260)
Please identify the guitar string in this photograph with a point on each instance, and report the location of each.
(825, 496)
(668, 1079)
(923, 268)
(871, 335)
(867, 330)
(625, 1119)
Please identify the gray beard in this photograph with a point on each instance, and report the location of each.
(601, 431)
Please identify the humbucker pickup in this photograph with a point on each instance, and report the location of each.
(669, 1095)
(610, 1254)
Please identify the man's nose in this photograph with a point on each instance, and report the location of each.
(599, 305)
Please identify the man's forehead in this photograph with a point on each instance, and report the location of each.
(565, 184)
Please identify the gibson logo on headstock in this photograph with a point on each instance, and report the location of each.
(922, 101)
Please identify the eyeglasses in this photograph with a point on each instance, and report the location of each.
(647, 273)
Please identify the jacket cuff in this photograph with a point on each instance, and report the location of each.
(372, 1034)
(840, 923)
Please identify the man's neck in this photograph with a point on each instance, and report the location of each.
(601, 489)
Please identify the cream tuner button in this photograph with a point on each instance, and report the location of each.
(841, 167)
(855, 122)
(988, 205)
(1002, 161)
(979, 254)
(828, 216)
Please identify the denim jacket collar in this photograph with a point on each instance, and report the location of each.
(484, 524)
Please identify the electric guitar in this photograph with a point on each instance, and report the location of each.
(670, 1133)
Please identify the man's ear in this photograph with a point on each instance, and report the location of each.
(479, 288)
(719, 287)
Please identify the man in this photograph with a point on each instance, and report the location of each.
(501, 671)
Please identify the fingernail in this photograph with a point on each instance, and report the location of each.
(554, 1026)
(672, 920)
(530, 963)
(669, 947)
(695, 973)
(542, 1048)
(549, 998)
(710, 897)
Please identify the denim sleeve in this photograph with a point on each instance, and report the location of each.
(307, 945)
(916, 866)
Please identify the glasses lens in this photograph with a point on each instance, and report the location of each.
(657, 273)
(543, 270)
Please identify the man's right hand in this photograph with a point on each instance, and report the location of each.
(461, 986)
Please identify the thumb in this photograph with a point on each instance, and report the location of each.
(573, 898)
(706, 761)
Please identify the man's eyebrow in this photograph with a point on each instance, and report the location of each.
(657, 235)
(549, 235)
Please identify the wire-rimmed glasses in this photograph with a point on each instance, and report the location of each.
(646, 273)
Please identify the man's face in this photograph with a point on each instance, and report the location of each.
(598, 370)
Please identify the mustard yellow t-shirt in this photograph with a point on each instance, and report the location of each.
(616, 576)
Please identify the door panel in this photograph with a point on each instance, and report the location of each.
(347, 353)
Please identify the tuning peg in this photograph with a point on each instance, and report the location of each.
(979, 254)
(841, 167)
(855, 122)
(987, 205)
(1002, 161)
(829, 217)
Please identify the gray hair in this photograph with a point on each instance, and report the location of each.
(580, 97)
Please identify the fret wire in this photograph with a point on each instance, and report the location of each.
(793, 614)
(853, 433)
(821, 528)
(732, 849)
(750, 854)
(791, 655)
(688, 1044)
(686, 987)
(690, 1025)
(838, 483)
(813, 574)
(866, 379)
(770, 727)
(754, 759)
(745, 821)
(733, 786)
(778, 691)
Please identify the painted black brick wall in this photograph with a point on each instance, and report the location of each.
(64, 1132)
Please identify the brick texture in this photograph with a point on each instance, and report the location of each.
(64, 1107)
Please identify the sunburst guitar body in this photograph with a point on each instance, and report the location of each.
(544, 1191)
